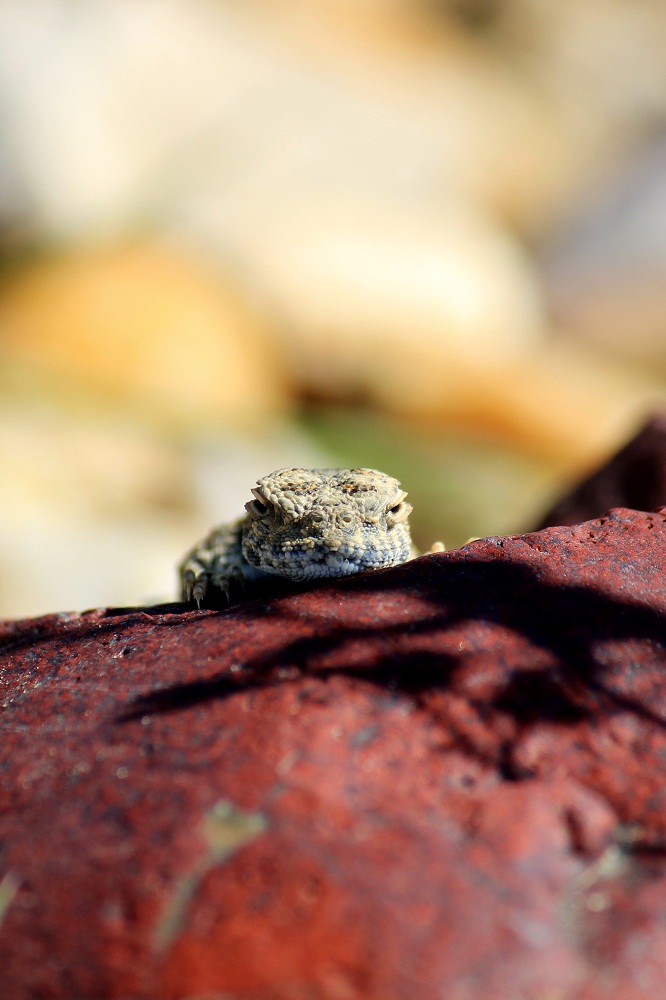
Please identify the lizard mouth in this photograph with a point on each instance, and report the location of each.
(309, 561)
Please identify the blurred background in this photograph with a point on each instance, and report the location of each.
(427, 236)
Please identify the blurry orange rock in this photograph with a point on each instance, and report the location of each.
(146, 324)
(568, 405)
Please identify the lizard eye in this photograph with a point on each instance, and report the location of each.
(400, 511)
(256, 509)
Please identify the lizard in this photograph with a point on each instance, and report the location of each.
(302, 525)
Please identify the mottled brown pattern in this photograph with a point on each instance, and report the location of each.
(305, 524)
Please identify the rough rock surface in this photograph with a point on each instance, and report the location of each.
(444, 781)
(634, 477)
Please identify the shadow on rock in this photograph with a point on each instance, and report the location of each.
(540, 640)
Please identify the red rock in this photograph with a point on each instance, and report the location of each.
(445, 781)
(634, 477)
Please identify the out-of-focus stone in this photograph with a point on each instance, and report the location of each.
(634, 477)
(599, 63)
(605, 271)
(361, 285)
(463, 111)
(90, 507)
(259, 100)
(95, 503)
(442, 780)
(560, 401)
(147, 325)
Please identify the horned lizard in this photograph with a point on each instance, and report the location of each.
(304, 524)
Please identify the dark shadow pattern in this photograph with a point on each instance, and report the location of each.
(562, 622)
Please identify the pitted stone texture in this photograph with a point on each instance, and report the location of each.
(443, 781)
(635, 477)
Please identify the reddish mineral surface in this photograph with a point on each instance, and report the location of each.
(445, 781)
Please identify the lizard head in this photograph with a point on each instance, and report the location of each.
(309, 524)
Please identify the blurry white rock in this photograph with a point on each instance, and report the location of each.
(359, 285)
(601, 61)
(103, 102)
(605, 272)
(97, 508)
(114, 112)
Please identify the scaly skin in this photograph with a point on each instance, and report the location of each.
(304, 524)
